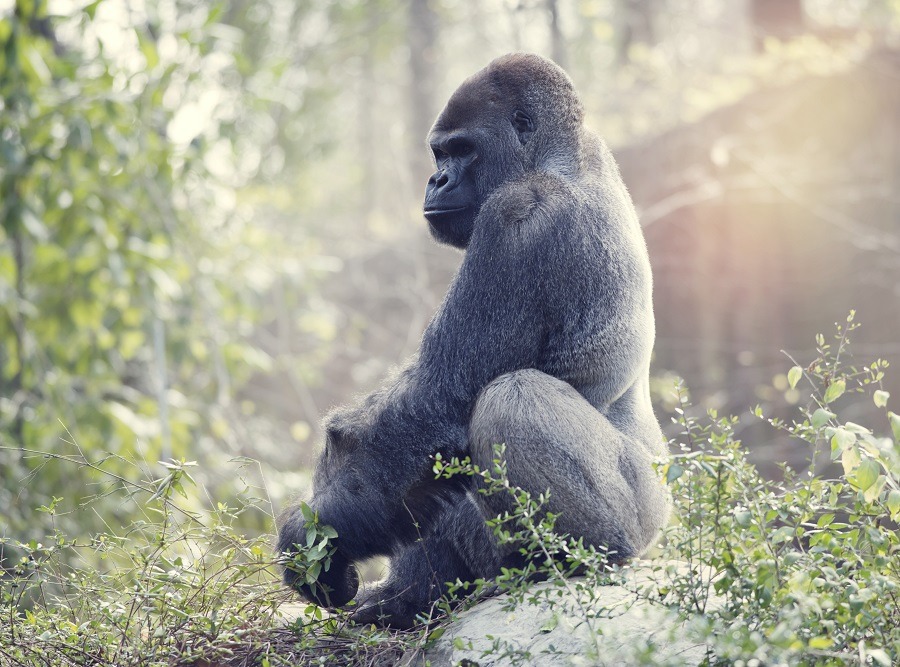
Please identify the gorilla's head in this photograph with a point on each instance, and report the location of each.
(518, 114)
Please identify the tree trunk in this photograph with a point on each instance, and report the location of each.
(557, 41)
(373, 184)
(423, 29)
(781, 19)
(635, 25)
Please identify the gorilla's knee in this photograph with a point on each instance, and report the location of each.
(498, 410)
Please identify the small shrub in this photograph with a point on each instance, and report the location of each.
(805, 569)
(179, 586)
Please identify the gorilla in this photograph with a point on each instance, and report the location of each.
(542, 343)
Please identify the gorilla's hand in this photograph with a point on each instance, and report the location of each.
(333, 588)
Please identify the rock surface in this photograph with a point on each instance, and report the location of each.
(540, 632)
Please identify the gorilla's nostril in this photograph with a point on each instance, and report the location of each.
(442, 180)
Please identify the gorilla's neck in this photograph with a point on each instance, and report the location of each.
(560, 155)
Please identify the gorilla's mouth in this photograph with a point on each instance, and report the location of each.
(438, 212)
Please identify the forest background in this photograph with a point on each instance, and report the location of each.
(211, 230)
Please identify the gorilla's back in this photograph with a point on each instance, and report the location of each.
(603, 331)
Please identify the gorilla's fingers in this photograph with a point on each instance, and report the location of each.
(333, 589)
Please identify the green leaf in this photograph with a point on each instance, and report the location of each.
(91, 8)
(148, 48)
(674, 472)
(85, 315)
(820, 417)
(871, 494)
(867, 474)
(308, 515)
(549, 624)
(895, 425)
(850, 460)
(130, 342)
(835, 390)
(842, 439)
(38, 66)
(881, 398)
(821, 642)
(794, 376)
(893, 504)
(856, 428)
(893, 501)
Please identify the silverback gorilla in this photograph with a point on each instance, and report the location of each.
(542, 342)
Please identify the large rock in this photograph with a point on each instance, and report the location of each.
(549, 628)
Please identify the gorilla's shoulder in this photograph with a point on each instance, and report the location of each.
(535, 196)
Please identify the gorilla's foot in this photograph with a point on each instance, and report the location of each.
(387, 606)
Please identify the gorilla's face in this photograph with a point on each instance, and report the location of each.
(478, 144)
(451, 198)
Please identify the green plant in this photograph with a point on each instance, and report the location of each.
(181, 585)
(314, 557)
(804, 569)
(546, 555)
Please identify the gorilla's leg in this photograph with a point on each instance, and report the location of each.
(598, 470)
(599, 473)
(458, 546)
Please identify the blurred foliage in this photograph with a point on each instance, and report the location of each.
(122, 313)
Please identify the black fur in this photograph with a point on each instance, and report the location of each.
(542, 342)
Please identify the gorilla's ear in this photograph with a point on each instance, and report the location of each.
(523, 124)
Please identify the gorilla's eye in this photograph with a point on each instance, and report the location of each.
(439, 154)
(460, 147)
